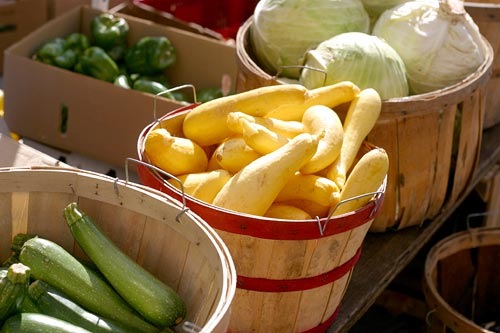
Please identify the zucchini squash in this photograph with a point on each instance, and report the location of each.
(51, 263)
(55, 303)
(13, 287)
(153, 299)
(38, 323)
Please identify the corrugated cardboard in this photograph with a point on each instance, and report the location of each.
(17, 154)
(59, 7)
(147, 12)
(104, 120)
(19, 18)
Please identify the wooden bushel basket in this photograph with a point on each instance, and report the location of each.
(291, 274)
(486, 14)
(433, 140)
(175, 245)
(461, 282)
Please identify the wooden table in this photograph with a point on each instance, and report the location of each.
(385, 255)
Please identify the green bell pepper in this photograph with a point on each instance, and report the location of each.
(152, 87)
(110, 33)
(97, 63)
(77, 42)
(150, 55)
(207, 94)
(122, 81)
(56, 52)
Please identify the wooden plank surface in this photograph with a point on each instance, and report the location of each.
(385, 255)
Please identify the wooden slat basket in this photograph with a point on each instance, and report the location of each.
(486, 14)
(433, 140)
(291, 274)
(461, 284)
(174, 244)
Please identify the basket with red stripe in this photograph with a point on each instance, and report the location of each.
(291, 274)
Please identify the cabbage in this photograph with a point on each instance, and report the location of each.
(363, 59)
(439, 44)
(283, 30)
(376, 7)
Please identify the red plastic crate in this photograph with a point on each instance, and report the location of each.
(222, 16)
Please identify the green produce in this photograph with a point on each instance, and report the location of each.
(376, 7)
(51, 263)
(152, 87)
(55, 303)
(283, 30)
(18, 241)
(97, 63)
(78, 42)
(152, 298)
(38, 323)
(363, 59)
(438, 41)
(208, 94)
(110, 33)
(13, 287)
(122, 81)
(56, 53)
(27, 305)
(10, 260)
(150, 55)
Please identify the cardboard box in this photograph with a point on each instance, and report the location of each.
(19, 18)
(17, 154)
(147, 12)
(103, 120)
(59, 7)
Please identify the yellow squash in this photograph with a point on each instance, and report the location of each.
(361, 117)
(174, 155)
(367, 176)
(253, 189)
(202, 185)
(206, 123)
(233, 154)
(285, 128)
(319, 119)
(286, 212)
(260, 138)
(330, 96)
(308, 187)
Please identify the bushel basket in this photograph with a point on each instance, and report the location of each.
(433, 140)
(461, 284)
(291, 274)
(173, 243)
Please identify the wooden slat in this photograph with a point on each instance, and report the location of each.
(385, 255)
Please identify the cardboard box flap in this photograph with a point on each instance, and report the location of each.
(98, 119)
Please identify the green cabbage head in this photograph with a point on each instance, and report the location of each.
(283, 30)
(365, 60)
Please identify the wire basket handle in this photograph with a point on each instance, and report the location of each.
(184, 207)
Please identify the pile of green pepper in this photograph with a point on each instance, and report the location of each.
(105, 55)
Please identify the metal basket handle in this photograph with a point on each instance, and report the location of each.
(184, 207)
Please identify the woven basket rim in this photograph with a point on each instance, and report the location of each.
(482, 5)
(449, 95)
(481, 236)
(145, 193)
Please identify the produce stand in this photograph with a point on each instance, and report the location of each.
(386, 255)
(383, 256)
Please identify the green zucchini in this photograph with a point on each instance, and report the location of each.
(27, 305)
(18, 241)
(51, 263)
(154, 300)
(13, 287)
(38, 323)
(55, 303)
